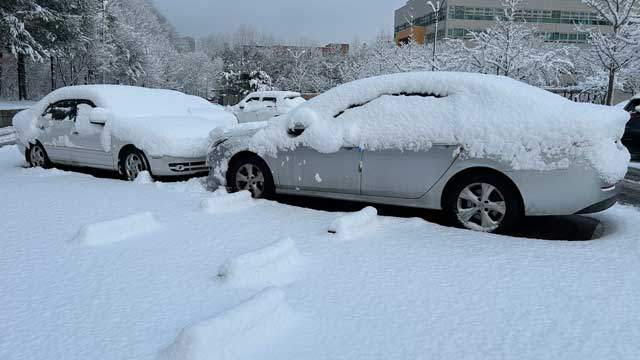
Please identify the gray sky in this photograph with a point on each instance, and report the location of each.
(324, 20)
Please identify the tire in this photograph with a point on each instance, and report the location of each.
(132, 163)
(483, 202)
(37, 156)
(251, 174)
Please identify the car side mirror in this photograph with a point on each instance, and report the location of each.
(99, 116)
(297, 130)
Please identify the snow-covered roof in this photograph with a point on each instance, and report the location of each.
(130, 101)
(273, 94)
(490, 116)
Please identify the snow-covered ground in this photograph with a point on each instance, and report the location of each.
(104, 269)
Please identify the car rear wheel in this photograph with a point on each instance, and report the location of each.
(252, 174)
(132, 163)
(37, 157)
(486, 203)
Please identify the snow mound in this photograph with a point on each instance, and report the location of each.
(277, 264)
(117, 230)
(349, 225)
(224, 203)
(236, 333)
(159, 122)
(144, 178)
(491, 117)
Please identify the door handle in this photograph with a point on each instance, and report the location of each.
(75, 133)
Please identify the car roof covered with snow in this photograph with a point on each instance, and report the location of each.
(129, 101)
(490, 116)
(273, 94)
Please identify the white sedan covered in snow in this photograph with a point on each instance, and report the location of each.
(123, 128)
(485, 149)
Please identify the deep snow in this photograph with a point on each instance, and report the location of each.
(404, 289)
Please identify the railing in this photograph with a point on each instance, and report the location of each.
(7, 136)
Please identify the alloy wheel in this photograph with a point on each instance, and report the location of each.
(37, 157)
(133, 166)
(250, 178)
(481, 206)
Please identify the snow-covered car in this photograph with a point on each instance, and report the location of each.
(122, 128)
(263, 105)
(485, 149)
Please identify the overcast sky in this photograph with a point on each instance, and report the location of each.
(324, 20)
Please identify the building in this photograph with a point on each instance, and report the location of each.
(555, 19)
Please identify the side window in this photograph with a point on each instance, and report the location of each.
(62, 110)
(250, 100)
(269, 102)
(409, 94)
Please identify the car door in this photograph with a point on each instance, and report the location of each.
(57, 124)
(405, 174)
(85, 139)
(267, 109)
(307, 169)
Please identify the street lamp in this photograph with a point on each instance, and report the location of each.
(436, 10)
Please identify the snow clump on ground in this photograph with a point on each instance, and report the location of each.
(277, 264)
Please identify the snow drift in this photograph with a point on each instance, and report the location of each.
(117, 230)
(490, 116)
(227, 202)
(347, 225)
(239, 331)
(160, 122)
(277, 264)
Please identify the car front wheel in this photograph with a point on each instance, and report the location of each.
(37, 157)
(486, 203)
(132, 163)
(252, 174)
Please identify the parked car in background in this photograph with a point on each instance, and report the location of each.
(122, 128)
(263, 105)
(631, 138)
(485, 149)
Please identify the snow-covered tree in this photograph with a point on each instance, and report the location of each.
(512, 48)
(616, 50)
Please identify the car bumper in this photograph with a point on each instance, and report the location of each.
(577, 190)
(177, 166)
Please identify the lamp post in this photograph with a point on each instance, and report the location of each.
(436, 10)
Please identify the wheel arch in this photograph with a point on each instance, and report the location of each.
(479, 170)
(243, 155)
(126, 148)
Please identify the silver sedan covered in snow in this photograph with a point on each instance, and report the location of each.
(485, 149)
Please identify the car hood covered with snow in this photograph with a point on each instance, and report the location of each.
(159, 122)
(490, 116)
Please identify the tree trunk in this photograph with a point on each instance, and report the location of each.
(53, 77)
(1, 73)
(22, 78)
(611, 89)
